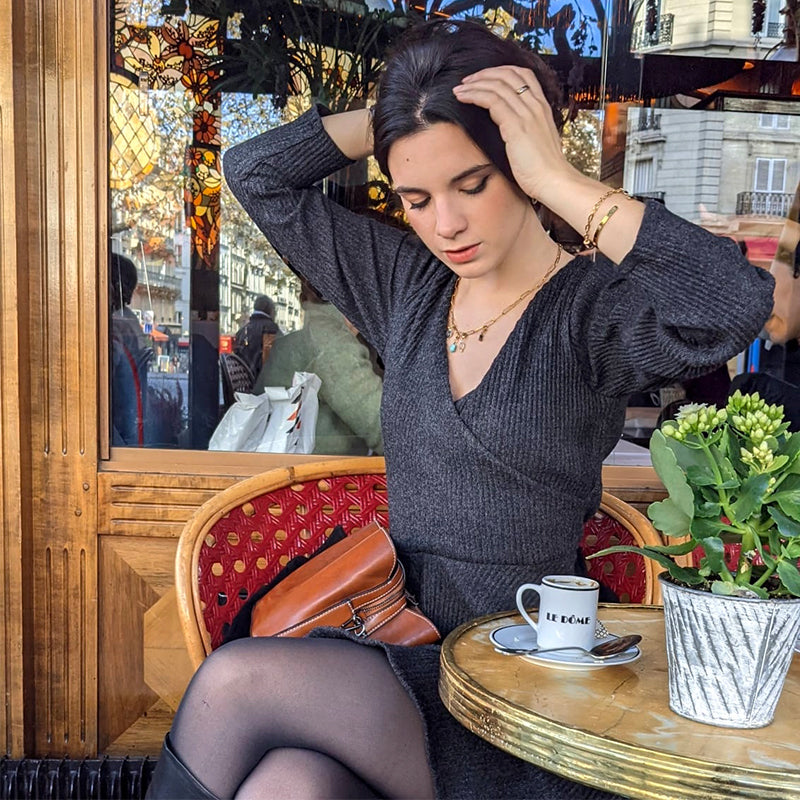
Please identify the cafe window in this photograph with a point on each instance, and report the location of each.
(200, 305)
(189, 271)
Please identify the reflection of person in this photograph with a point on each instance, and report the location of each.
(124, 279)
(507, 369)
(129, 359)
(348, 421)
(254, 339)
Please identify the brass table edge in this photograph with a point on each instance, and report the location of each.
(586, 757)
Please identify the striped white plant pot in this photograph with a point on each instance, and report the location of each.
(727, 657)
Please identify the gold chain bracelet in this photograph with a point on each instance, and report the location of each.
(587, 240)
(600, 225)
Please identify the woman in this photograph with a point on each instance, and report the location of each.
(507, 367)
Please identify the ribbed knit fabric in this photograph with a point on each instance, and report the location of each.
(492, 491)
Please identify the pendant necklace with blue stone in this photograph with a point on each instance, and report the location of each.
(459, 338)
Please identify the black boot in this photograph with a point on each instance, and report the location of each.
(172, 779)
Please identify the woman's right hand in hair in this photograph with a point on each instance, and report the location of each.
(533, 146)
(525, 120)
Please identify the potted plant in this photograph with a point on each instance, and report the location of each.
(732, 586)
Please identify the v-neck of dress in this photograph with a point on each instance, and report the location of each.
(458, 403)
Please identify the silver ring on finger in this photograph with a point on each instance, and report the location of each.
(522, 89)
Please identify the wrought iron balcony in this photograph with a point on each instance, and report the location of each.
(641, 39)
(769, 204)
(651, 196)
(649, 120)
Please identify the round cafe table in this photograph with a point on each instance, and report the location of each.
(612, 728)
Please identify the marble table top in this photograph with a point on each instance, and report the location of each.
(612, 728)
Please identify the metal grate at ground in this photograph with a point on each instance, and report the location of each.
(75, 779)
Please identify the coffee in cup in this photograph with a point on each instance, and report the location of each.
(567, 611)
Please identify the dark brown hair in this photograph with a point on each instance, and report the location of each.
(416, 87)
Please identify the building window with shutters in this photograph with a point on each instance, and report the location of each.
(770, 175)
(769, 185)
(775, 121)
(643, 176)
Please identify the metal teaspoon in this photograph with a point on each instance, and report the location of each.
(600, 652)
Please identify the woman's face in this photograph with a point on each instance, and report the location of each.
(461, 206)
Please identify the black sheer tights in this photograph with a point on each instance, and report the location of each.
(304, 718)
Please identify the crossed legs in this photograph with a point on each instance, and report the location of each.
(304, 718)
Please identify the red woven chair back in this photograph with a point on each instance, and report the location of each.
(248, 547)
(241, 538)
(624, 573)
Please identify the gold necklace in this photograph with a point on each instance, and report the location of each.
(459, 338)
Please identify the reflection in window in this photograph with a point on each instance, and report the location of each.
(643, 176)
(195, 280)
(773, 121)
(194, 285)
(201, 266)
(770, 175)
(726, 171)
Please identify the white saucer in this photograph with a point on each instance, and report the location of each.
(523, 636)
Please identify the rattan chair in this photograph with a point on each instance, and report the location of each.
(241, 538)
(236, 377)
(632, 577)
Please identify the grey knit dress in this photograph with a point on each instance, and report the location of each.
(492, 490)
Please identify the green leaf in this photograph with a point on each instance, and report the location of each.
(757, 590)
(778, 463)
(792, 549)
(686, 574)
(700, 476)
(714, 554)
(669, 518)
(774, 541)
(686, 454)
(673, 549)
(708, 509)
(784, 495)
(725, 466)
(731, 445)
(666, 466)
(790, 576)
(703, 528)
(788, 527)
(791, 483)
(766, 556)
(726, 588)
(790, 446)
(751, 497)
(790, 506)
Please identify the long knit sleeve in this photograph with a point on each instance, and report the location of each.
(682, 302)
(350, 259)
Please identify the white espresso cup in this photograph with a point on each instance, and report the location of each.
(567, 611)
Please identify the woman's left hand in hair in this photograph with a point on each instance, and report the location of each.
(525, 120)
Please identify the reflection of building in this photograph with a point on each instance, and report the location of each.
(705, 28)
(246, 273)
(163, 272)
(733, 172)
